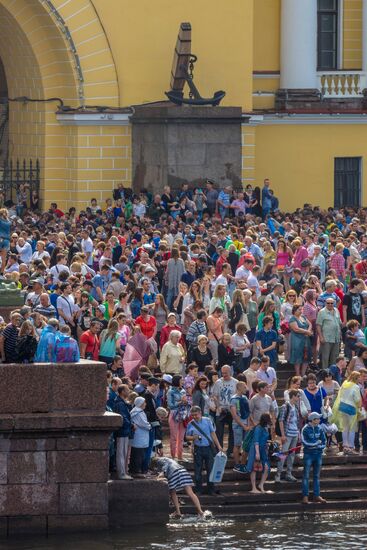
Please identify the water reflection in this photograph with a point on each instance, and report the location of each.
(310, 532)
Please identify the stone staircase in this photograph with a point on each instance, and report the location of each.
(343, 484)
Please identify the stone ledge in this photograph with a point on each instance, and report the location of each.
(53, 387)
(60, 421)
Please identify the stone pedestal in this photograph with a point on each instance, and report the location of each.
(54, 434)
(175, 144)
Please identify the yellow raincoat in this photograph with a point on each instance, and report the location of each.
(349, 397)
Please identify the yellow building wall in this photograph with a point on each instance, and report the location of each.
(248, 149)
(266, 44)
(266, 35)
(352, 34)
(299, 160)
(100, 159)
(142, 36)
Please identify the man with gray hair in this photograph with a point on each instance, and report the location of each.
(330, 287)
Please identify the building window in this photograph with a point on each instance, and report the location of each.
(327, 35)
(347, 182)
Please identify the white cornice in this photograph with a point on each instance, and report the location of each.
(93, 119)
(306, 120)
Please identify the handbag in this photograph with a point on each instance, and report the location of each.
(303, 409)
(257, 467)
(345, 408)
(362, 414)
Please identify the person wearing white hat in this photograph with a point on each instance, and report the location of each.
(314, 442)
(140, 441)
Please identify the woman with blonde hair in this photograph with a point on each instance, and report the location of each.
(269, 310)
(346, 411)
(220, 299)
(110, 342)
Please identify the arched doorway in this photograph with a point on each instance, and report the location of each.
(43, 54)
(36, 66)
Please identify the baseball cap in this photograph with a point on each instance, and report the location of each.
(102, 308)
(167, 378)
(313, 416)
(150, 269)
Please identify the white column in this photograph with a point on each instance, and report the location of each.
(364, 37)
(298, 44)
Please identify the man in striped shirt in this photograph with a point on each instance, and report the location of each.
(8, 339)
(288, 424)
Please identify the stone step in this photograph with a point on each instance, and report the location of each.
(244, 485)
(278, 496)
(346, 462)
(267, 508)
(327, 471)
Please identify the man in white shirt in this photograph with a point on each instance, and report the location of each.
(59, 267)
(243, 272)
(267, 374)
(252, 281)
(251, 373)
(87, 247)
(223, 278)
(24, 250)
(66, 306)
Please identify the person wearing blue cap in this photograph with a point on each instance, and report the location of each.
(314, 442)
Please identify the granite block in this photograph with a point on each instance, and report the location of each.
(77, 466)
(83, 498)
(24, 467)
(78, 386)
(29, 500)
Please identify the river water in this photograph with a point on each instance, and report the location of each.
(310, 532)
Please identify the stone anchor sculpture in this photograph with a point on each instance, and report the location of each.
(182, 73)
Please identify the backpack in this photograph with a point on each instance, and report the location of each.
(287, 411)
(26, 349)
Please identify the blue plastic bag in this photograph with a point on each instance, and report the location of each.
(220, 461)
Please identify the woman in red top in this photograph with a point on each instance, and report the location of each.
(89, 342)
(147, 323)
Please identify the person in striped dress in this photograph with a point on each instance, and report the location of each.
(178, 479)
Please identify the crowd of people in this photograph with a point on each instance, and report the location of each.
(195, 300)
